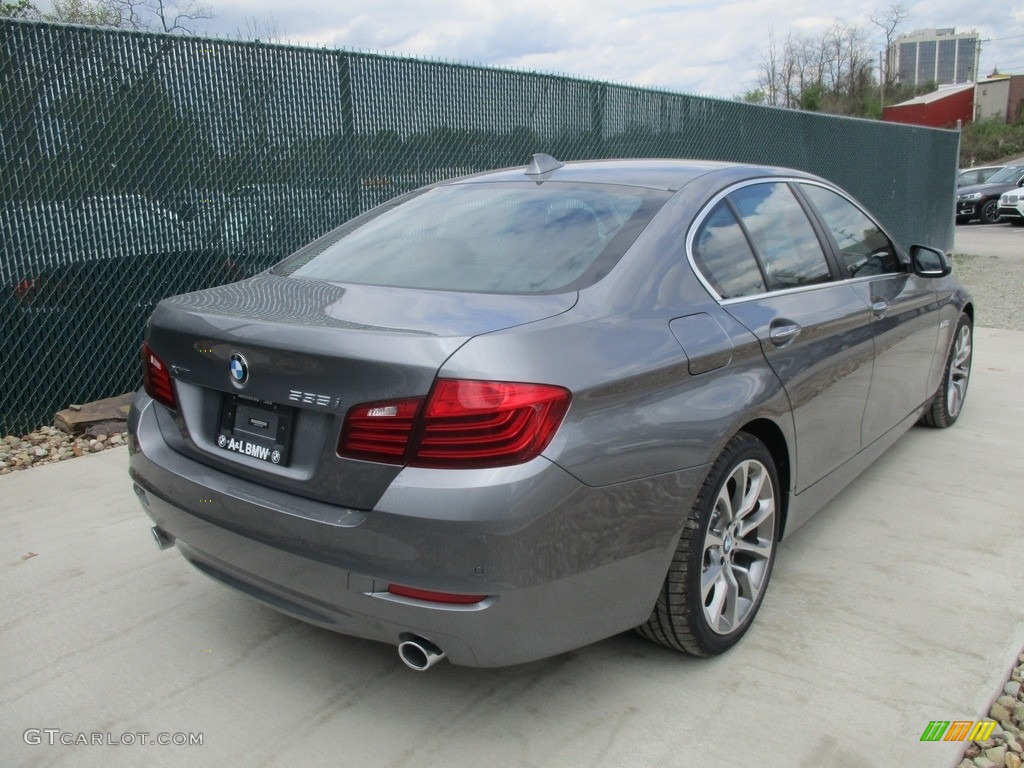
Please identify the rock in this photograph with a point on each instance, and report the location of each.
(1012, 688)
(40, 451)
(983, 762)
(1011, 761)
(996, 754)
(96, 447)
(1018, 712)
(999, 713)
(1006, 701)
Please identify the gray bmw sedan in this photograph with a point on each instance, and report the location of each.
(504, 416)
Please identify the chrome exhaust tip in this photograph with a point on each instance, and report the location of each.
(419, 654)
(163, 539)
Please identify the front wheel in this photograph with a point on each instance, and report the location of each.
(989, 213)
(724, 558)
(945, 407)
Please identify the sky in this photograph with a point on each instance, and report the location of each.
(705, 47)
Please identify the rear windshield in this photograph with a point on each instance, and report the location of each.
(1008, 175)
(484, 237)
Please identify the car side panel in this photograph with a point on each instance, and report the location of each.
(905, 322)
(825, 368)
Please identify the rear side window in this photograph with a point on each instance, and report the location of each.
(722, 254)
(782, 235)
(863, 246)
(485, 237)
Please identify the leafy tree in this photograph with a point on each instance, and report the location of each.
(19, 9)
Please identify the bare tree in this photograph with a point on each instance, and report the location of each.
(180, 16)
(95, 13)
(889, 21)
(265, 28)
(830, 71)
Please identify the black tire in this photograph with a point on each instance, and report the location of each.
(947, 404)
(706, 625)
(989, 211)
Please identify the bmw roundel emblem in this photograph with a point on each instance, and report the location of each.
(239, 369)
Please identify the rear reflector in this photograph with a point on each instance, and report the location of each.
(463, 424)
(434, 597)
(156, 378)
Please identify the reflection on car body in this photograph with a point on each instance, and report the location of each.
(551, 405)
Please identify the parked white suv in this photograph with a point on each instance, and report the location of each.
(1011, 207)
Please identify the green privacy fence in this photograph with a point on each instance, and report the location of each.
(136, 166)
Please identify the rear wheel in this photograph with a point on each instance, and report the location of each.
(989, 212)
(724, 558)
(945, 407)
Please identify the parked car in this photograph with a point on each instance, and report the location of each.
(66, 255)
(506, 416)
(981, 201)
(978, 175)
(1011, 207)
(255, 226)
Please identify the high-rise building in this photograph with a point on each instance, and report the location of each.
(939, 56)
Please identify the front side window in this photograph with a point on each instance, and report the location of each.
(485, 237)
(863, 246)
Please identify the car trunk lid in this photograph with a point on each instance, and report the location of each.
(310, 351)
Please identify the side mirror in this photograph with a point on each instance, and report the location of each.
(929, 262)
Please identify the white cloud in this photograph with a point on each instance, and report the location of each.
(694, 46)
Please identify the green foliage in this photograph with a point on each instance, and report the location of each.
(990, 141)
(20, 9)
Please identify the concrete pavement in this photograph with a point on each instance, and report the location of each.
(898, 604)
(1002, 240)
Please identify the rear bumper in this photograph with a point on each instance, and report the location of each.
(563, 564)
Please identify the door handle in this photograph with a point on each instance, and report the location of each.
(879, 307)
(782, 334)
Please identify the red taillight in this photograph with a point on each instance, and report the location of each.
(156, 378)
(25, 290)
(463, 424)
(379, 431)
(434, 597)
(488, 423)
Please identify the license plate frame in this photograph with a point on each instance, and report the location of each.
(259, 429)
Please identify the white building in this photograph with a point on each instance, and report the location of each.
(939, 56)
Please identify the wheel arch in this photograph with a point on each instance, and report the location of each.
(769, 433)
(969, 311)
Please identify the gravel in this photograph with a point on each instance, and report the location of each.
(997, 285)
(49, 445)
(1005, 747)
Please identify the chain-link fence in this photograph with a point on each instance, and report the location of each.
(137, 166)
